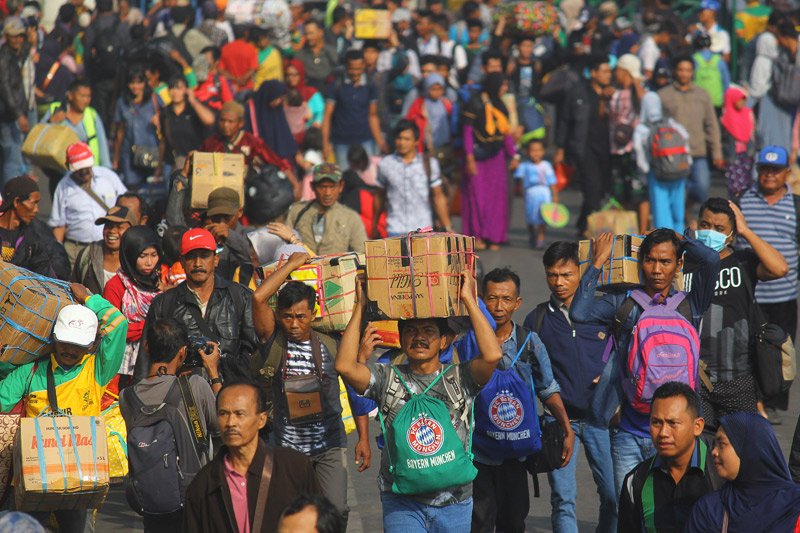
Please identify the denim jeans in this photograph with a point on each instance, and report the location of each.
(563, 484)
(628, 450)
(401, 514)
(11, 142)
(340, 151)
(699, 180)
(667, 203)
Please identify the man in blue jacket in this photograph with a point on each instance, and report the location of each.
(576, 357)
(661, 258)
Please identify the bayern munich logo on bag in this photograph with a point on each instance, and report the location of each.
(505, 411)
(425, 436)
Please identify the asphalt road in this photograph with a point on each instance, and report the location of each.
(363, 497)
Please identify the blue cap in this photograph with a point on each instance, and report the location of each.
(773, 156)
(709, 4)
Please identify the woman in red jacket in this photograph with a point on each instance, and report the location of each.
(132, 290)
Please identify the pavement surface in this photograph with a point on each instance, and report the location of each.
(363, 497)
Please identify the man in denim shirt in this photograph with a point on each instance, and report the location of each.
(661, 258)
(500, 490)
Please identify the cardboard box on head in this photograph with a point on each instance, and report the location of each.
(211, 171)
(333, 278)
(417, 275)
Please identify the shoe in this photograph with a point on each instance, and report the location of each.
(539, 245)
(773, 416)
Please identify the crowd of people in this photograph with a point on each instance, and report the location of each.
(347, 138)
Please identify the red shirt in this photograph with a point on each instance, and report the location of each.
(237, 485)
(239, 57)
(247, 144)
(113, 292)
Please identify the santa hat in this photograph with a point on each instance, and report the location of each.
(79, 156)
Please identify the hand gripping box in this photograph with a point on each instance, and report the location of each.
(622, 268)
(60, 463)
(333, 278)
(417, 275)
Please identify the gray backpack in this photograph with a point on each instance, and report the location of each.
(163, 454)
(785, 90)
(668, 154)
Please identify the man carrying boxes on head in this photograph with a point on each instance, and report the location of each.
(426, 469)
(89, 342)
(298, 370)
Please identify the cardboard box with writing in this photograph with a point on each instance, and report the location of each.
(29, 306)
(622, 268)
(333, 278)
(46, 145)
(373, 24)
(417, 276)
(60, 463)
(211, 171)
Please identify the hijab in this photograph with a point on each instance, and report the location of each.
(139, 289)
(134, 241)
(305, 91)
(740, 123)
(652, 110)
(271, 124)
(763, 496)
(489, 118)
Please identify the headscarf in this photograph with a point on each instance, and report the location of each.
(305, 91)
(652, 110)
(763, 496)
(740, 123)
(490, 118)
(139, 289)
(134, 241)
(271, 121)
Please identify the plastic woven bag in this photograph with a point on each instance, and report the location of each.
(117, 435)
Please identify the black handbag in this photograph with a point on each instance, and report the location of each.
(144, 157)
(623, 133)
(549, 457)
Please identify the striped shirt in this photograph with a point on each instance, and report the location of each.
(315, 437)
(776, 224)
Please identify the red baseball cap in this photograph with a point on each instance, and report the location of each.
(197, 239)
(79, 156)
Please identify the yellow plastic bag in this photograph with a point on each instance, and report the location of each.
(117, 436)
(347, 414)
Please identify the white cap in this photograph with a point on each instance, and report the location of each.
(77, 325)
(632, 64)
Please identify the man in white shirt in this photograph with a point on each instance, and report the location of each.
(81, 197)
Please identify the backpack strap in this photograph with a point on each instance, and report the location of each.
(452, 385)
(200, 436)
(621, 316)
(537, 317)
(796, 200)
(52, 398)
(394, 392)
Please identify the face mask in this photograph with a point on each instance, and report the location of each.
(713, 239)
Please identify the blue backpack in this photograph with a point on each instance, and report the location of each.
(506, 420)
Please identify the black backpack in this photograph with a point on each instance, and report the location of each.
(106, 54)
(163, 453)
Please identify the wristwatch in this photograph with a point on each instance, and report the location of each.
(216, 380)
